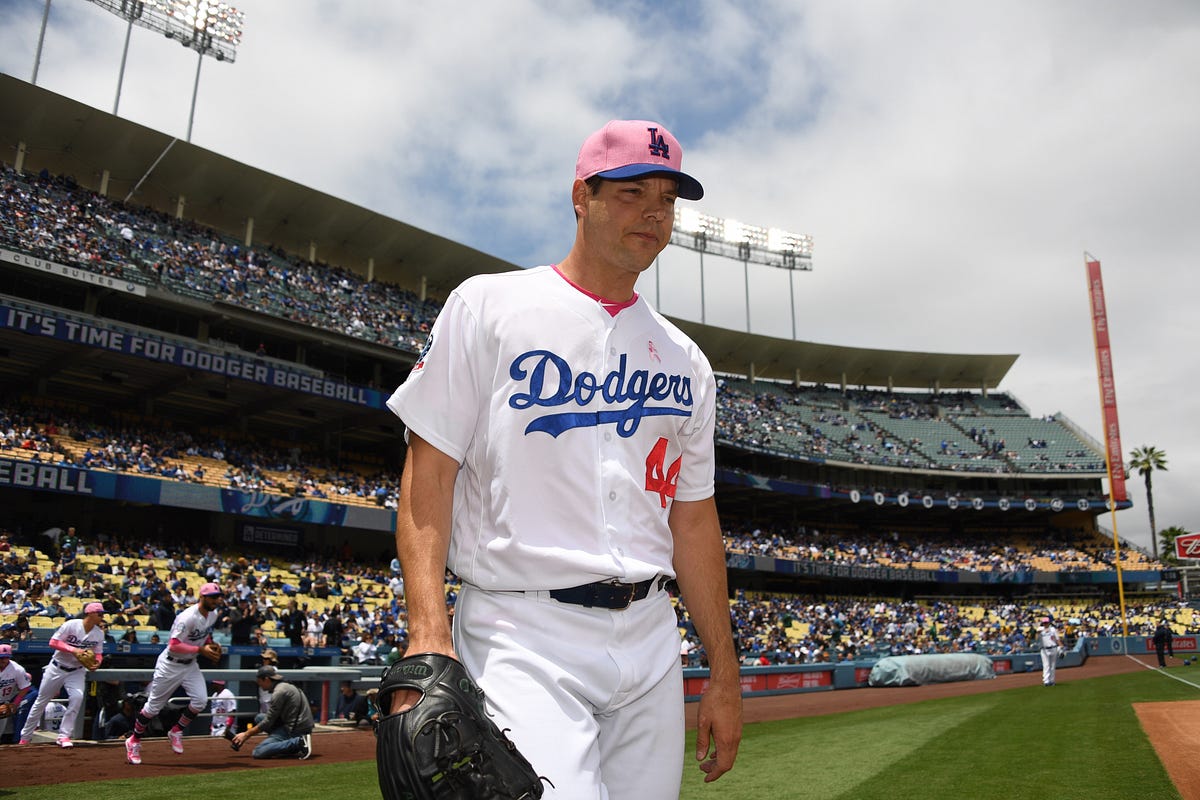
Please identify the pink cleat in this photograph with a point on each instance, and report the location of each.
(23, 741)
(176, 740)
(133, 751)
(64, 741)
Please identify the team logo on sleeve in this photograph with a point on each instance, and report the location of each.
(417, 367)
(549, 382)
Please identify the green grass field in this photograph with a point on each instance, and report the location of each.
(1077, 740)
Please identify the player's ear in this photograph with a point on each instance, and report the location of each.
(579, 197)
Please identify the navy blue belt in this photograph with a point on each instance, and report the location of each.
(64, 667)
(611, 594)
(180, 660)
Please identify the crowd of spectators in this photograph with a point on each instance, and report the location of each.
(138, 446)
(865, 427)
(1052, 549)
(356, 605)
(53, 218)
(800, 630)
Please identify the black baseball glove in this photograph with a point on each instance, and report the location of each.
(445, 747)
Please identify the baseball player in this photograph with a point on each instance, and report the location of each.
(560, 462)
(1050, 645)
(74, 644)
(191, 637)
(14, 685)
(223, 706)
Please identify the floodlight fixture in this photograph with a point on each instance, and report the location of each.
(755, 244)
(750, 244)
(210, 28)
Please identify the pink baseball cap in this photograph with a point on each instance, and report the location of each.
(93, 608)
(628, 148)
(5, 651)
(210, 590)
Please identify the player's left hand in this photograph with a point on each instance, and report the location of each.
(719, 728)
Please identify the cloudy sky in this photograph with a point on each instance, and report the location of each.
(953, 161)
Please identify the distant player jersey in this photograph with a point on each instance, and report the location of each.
(72, 633)
(576, 431)
(13, 679)
(193, 627)
(1049, 637)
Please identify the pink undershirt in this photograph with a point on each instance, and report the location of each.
(611, 306)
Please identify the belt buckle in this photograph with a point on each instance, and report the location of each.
(630, 588)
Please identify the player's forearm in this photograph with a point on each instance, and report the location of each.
(182, 648)
(423, 522)
(700, 572)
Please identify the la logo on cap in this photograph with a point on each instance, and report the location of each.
(658, 145)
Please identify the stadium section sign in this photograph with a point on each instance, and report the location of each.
(72, 273)
(181, 354)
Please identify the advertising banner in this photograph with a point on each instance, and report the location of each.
(1108, 389)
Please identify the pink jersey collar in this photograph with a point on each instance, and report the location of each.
(611, 306)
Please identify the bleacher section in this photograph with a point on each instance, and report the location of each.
(959, 432)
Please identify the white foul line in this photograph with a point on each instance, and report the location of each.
(1162, 671)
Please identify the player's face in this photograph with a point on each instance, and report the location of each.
(626, 224)
(208, 602)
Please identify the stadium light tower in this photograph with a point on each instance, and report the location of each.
(210, 28)
(750, 244)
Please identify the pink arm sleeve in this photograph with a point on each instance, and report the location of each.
(176, 646)
(59, 644)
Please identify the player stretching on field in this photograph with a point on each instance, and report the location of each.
(191, 637)
(66, 671)
(560, 461)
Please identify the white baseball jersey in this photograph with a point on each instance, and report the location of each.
(1049, 636)
(575, 429)
(13, 679)
(72, 633)
(192, 626)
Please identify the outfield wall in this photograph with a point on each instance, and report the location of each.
(796, 678)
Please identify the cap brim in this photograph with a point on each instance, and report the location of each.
(689, 187)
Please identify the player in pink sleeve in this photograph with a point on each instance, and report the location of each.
(177, 666)
(66, 672)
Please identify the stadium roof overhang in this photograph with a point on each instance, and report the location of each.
(70, 138)
(784, 359)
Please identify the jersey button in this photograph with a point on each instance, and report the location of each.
(612, 495)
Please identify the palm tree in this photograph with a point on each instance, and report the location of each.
(1147, 460)
(1166, 537)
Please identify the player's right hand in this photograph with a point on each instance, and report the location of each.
(404, 699)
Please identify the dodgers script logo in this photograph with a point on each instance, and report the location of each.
(550, 382)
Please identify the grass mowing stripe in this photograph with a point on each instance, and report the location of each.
(1080, 739)
(1071, 741)
(826, 756)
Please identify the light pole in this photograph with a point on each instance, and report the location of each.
(750, 244)
(210, 28)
